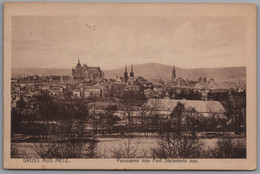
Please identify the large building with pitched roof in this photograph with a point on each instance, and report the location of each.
(205, 108)
(85, 72)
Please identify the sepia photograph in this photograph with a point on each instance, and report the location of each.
(159, 86)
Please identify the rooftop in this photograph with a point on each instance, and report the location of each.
(198, 105)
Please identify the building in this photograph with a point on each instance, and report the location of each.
(55, 78)
(55, 91)
(132, 72)
(205, 108)
(128, 79)
(92, 92)
(85, 72)
(77, 93)
(125, 74)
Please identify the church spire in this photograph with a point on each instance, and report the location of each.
(125, 68)
(132, 72)
(125, 74)
(173, 73)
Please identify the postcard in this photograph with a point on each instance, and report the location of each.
(130, 86)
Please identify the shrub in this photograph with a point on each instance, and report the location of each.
(227, 147)
(172, 145)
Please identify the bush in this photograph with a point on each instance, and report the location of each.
(227, 147)
(68, 149)
(172, 145)
(126, 149)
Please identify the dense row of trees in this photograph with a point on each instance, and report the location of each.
(76, 116)
(69, 129)
(183, 141)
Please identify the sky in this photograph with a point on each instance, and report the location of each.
(110, 42)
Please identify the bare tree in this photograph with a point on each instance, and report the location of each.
(236, 108)
(155, 111)
(82, 116)
(91, 149)
(183, 142)
(177, 116)
(144, 111)
(126, 149)
(71, 149)
(47, 150)
(66, 149)
(15, 153)
(172, 145)
(228, 147)
(128, 106)
(145, 153)
(67, 120)
(102, 153)
(47, 111)
(192, 122)
(111, 119)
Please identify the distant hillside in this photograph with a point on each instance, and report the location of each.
(154, 71)
(21, 72)
(151, 71)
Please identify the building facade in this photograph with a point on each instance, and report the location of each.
(85, 72)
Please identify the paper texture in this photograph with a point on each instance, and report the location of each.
(132, 86)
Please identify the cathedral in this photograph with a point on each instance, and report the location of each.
(85, 72)
(126, 78)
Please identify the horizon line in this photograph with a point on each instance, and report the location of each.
(129, 66)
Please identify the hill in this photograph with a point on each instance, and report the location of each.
(151, 71)
(154, 71)
(22, 72)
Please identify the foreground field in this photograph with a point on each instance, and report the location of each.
(139, 147)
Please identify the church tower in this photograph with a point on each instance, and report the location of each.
(79, 63)
(173, 73)
(125, 74)
(132, 72)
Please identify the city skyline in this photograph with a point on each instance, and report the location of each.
(129, 66)
(111, 42)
